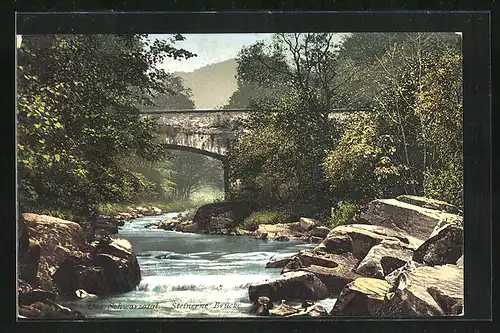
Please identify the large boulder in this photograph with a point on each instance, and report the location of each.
(307, 223)
(362, 297)
(110, 267)
(360, 238)
(261, 306)
(429, 203)
(57, 240)
(335, 279)
(320, 258)
(335, 271)
(419, 290)
(237, 211)
(445, 247)
(218, 223)
(405, 217)
(289, 286)
(319, 231)
(384, 258)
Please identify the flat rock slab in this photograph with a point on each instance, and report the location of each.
(384, 258)
(425, 291)
(429, 203)
(307, 258)
(290, 286)
(408, 218)
(360, 238)
(361, 297)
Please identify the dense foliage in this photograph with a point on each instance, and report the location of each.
(293, 153)
(78, 117)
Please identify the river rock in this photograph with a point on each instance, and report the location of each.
(446, 247)
(262, 306)
(110, 267)
(384, 258)
(307, 258)
(314, 240)
(420, 290)
(237, 211)
(82, 294)
(429, 203)
(28, 295)
(281, 238)
(362, 297)
(360, 238)
(284, 310)
(156, 210)
(48, 310)
(278, 263)
(124, 216)
(307, 224)
(109, 227)
(306, 309)
(335, 271)
(319, 231)
(290, 230)
(218, 223)
(57, 239)
(404, 217)
(292, 285)
(23, 238)
(335, 279)
(29, 263)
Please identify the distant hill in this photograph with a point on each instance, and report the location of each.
(211, 85)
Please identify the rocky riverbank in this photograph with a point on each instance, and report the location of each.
(224, 218)
(55, 261)
(108, 224)
(401, 258)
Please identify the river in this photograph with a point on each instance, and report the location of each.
(190, 275)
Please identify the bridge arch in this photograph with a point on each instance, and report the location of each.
(220, 157)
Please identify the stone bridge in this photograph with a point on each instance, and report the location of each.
(207, 132)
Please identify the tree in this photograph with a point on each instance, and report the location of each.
(175, 97)
(279, 152)
(416, 87)
(78, 117)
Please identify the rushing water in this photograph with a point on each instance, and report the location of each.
(190, 275)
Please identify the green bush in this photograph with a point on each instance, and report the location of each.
(255, 219)
(343, 213)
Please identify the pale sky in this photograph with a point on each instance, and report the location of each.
(209, 48)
